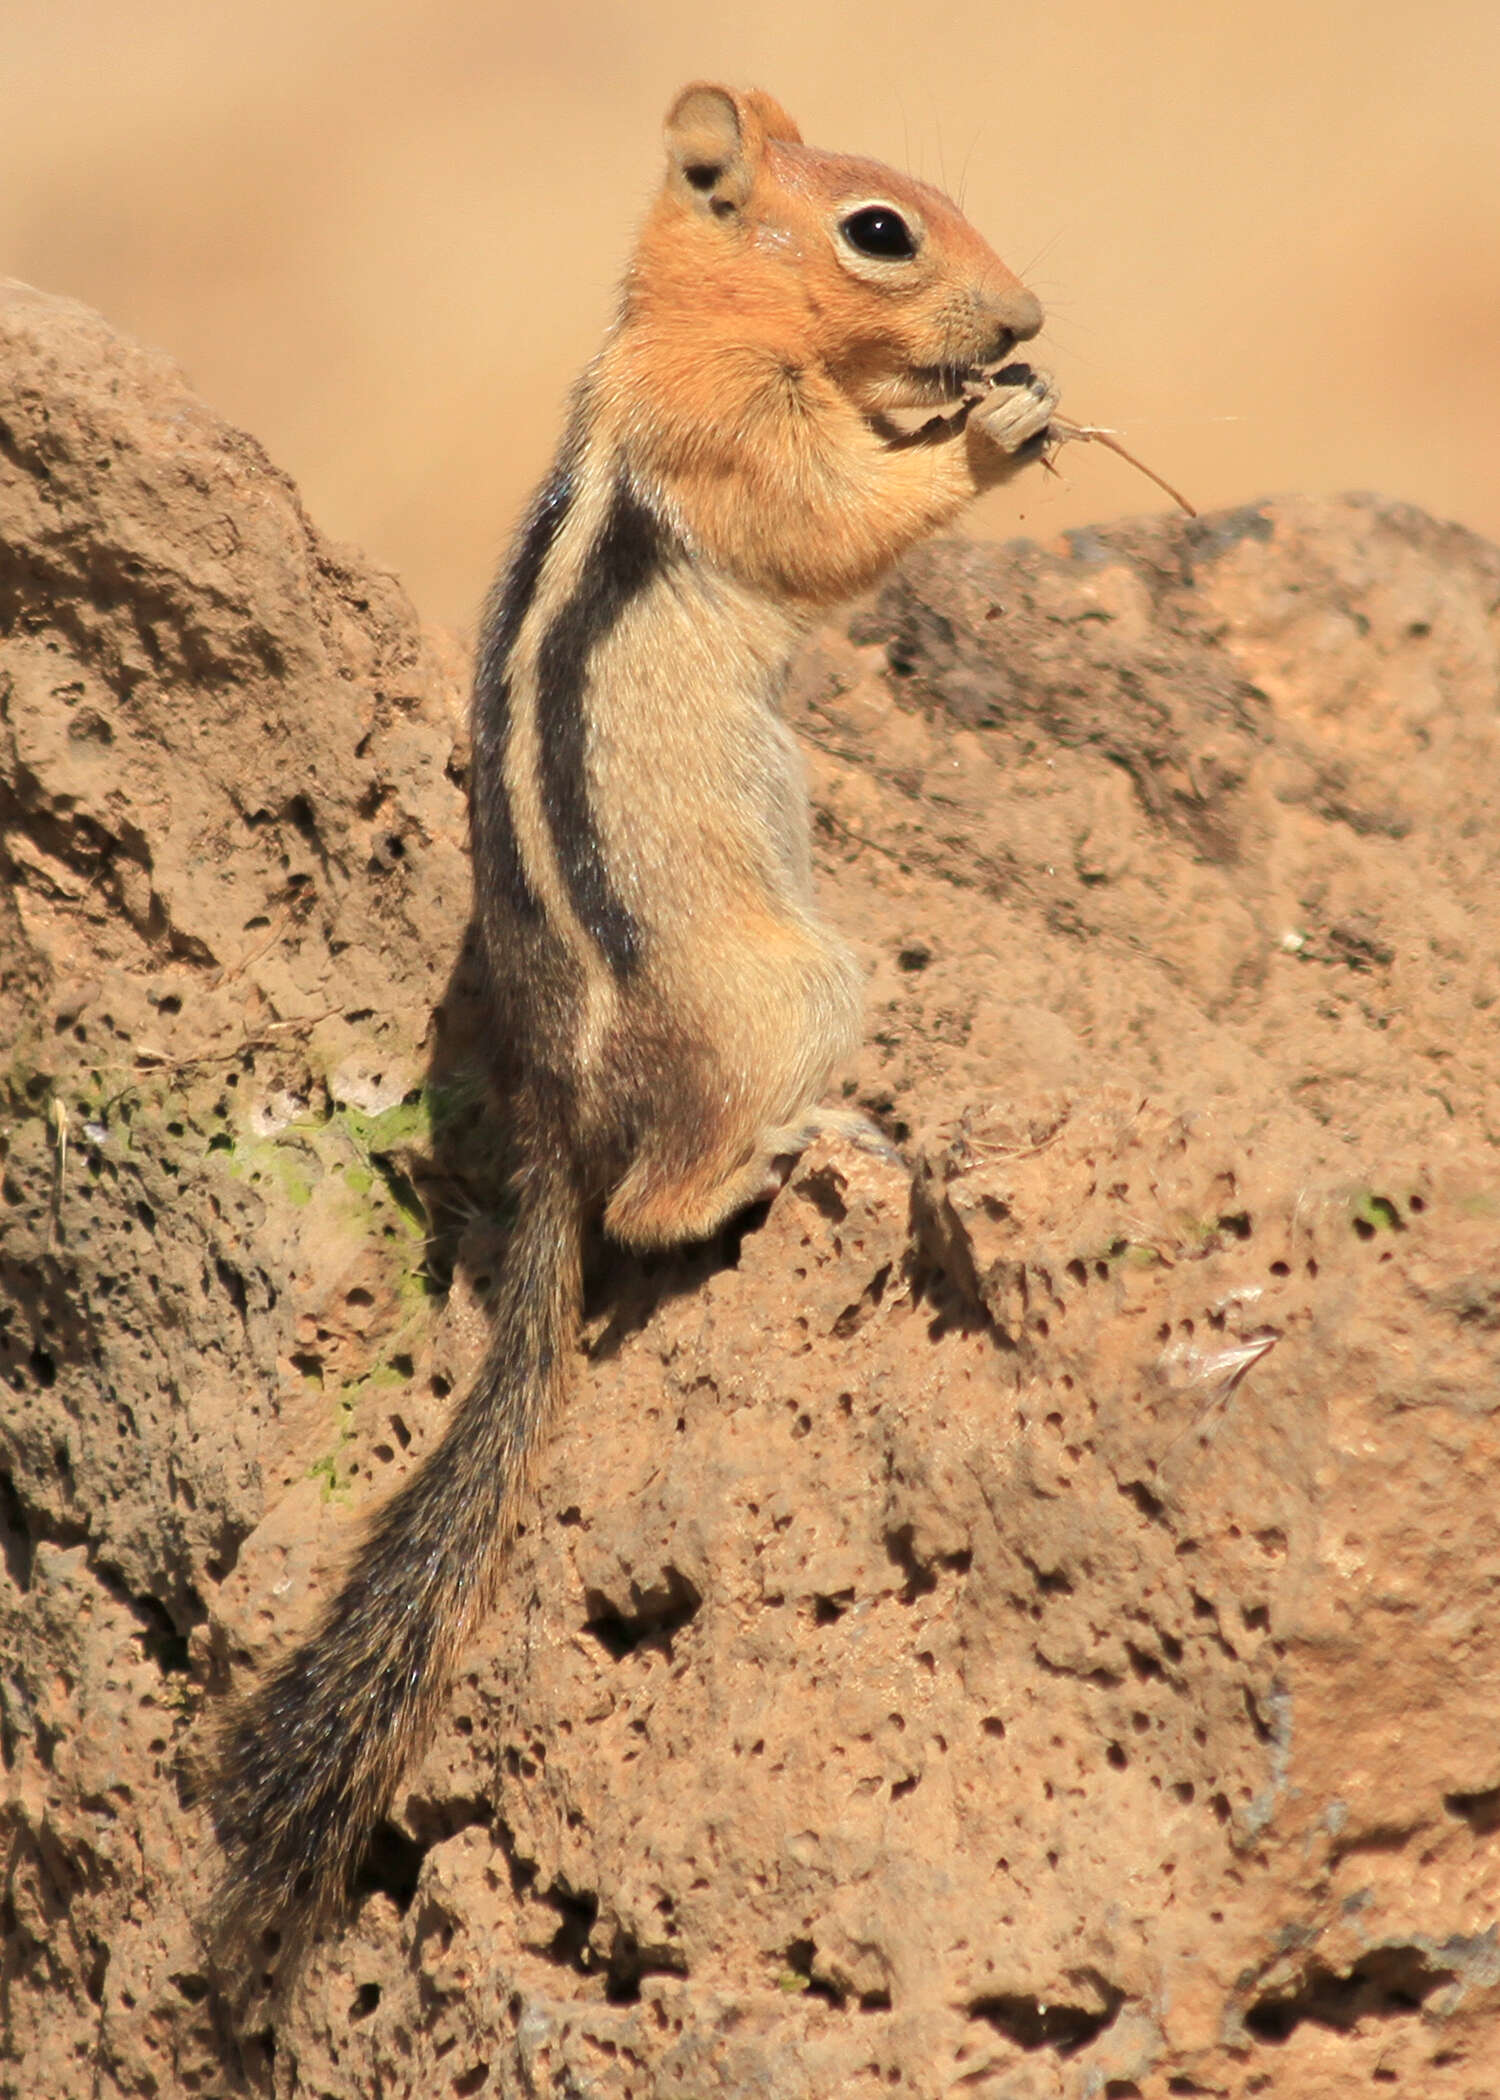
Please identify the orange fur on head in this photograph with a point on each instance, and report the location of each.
(742, 252)
(759, 350)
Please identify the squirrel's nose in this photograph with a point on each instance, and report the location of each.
(1009, 311)
(1018, 312)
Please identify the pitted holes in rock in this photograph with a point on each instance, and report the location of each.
(1389, 1982)
(654, 1622)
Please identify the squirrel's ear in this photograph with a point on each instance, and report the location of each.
(772, 119)
(715, 141)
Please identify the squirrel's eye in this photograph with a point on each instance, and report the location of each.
(877, 230)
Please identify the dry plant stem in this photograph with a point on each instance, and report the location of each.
(1066, 433)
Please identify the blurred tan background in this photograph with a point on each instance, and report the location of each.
(384, 236)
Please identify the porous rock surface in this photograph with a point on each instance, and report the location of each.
(1023, 1626)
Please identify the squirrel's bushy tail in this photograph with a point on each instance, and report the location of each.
(308, 1764)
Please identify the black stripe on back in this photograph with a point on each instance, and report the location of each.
(497, 856)
(631, 549)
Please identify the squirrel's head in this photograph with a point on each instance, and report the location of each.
(878, 275)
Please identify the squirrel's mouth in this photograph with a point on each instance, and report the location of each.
(944, 381)
(950, 382)
(928, 386)
(916, 387)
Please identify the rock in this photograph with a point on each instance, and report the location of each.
(1022, 1627)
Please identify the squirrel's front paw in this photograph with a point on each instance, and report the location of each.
(1016, 411)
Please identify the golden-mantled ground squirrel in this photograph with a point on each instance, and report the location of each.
(668, 1003)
